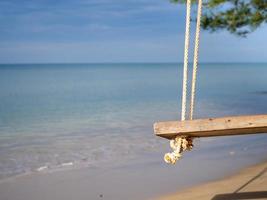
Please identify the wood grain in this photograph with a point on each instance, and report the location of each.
(224, 126)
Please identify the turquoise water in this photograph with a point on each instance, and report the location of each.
(54, 116)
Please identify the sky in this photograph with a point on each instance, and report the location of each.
(89, 31)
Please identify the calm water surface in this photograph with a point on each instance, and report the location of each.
(58, 116)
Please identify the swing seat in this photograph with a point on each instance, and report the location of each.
(224, 126)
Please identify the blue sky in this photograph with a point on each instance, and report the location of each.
(47, 31)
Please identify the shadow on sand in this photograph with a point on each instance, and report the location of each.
(241, 195)
(244, 195)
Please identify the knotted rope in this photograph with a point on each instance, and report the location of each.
(183, 143)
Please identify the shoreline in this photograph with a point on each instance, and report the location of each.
(248, 183)
(124, 183)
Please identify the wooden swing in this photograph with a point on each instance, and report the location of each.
(224, 126)
(181, 133)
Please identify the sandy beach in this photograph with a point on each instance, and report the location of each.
(138, 182)
(250, 183)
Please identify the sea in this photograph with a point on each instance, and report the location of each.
(71, 116)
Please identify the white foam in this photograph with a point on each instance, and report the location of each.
(67, 164)
(42, 168)
(232, 153)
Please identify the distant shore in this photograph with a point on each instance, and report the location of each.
(250, 183)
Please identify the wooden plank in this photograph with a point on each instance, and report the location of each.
(225, 126)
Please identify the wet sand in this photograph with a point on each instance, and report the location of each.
(132, 183)
(146, 178)
(250, 183)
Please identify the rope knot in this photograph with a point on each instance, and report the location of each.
(178, 145)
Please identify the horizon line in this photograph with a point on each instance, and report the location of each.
(63, 63)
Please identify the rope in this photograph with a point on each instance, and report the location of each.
(182, 143)
(186, 48)
(178, 145)
(195, 63)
